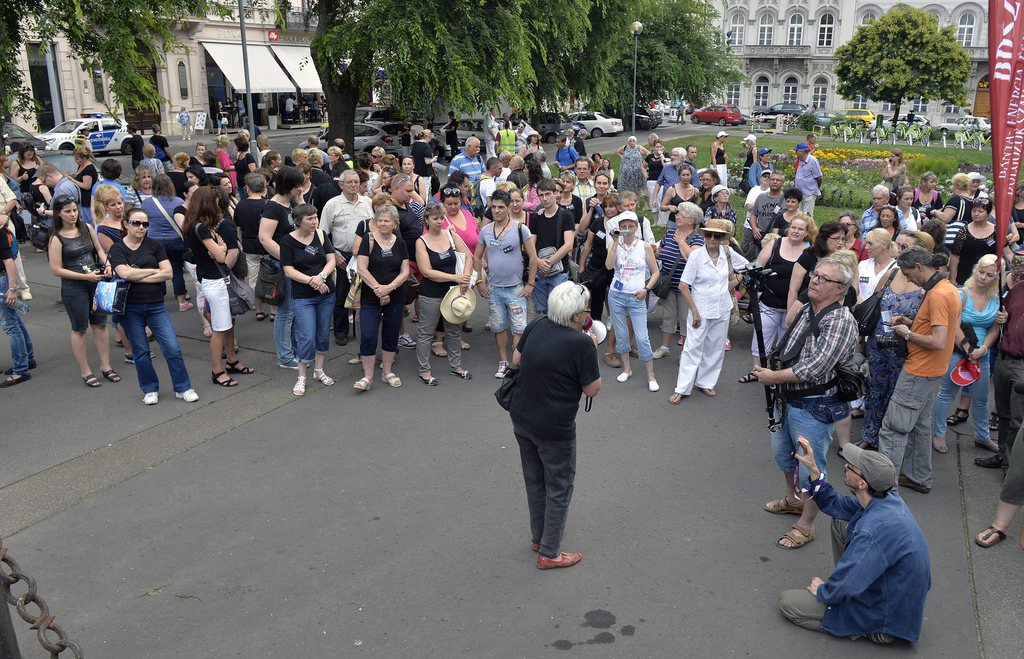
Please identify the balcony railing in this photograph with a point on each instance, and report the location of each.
(297, 20)
(776, 51)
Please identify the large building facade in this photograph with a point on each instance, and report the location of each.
(787, 51)
(205, 69)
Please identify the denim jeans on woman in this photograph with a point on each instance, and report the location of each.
(313, 326)
(621, 306)
(21, 344)
(286, 333)
(376, 320)
(154, 315)
(175, 248)
(948, 390)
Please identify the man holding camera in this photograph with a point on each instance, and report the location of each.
(823, 335)
(905, 437)
(882, 572)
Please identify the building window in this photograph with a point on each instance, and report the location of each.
(919, 106)
(859, 102)
(732, 94)
(761, 92)
(736, 30)
(869, 17)
(789, 90)
(951, 109)
(766, 30)
(888, 107)
(820, 93)
(182, 80)
(97, 84)
(826, 30)
(796, 30)
(965, 30)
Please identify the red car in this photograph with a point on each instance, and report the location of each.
(717, 114)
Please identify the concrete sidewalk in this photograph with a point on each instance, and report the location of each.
(393, 523)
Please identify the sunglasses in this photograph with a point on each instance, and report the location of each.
(451, 191)
(64, 199)
(138, 223)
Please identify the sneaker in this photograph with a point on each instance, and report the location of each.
(612, 360)
(189, 396)
(294, 365)
(564, 559)
(406, 341)
(663, 351)
(185, 306)
(502, 370)
(623, 376)
(728, 344)
(152, 398)
(653, 385)
(129, 359)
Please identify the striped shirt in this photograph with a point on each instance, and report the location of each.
(670, 251)
(819, 357)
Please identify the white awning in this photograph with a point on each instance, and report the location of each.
(298, 62)
(265, 76)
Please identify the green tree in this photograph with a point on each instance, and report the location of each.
(903, 55)
(122, 37)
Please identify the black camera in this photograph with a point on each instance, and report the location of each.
(755, 276)
(893, 342)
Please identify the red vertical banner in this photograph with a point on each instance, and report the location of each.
(1006, 76)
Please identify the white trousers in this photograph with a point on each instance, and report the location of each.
(703, 355)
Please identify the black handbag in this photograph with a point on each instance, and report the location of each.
(868, 312)
(506, 389)
(39, 235)
(269, 285)
(663, 286)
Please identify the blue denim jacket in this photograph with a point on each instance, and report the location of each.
(880, 583)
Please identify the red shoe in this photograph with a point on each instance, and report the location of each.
(535, 546)
(565, 559)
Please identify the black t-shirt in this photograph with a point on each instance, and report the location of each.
(179, 180)
(934, 200)
(308, 259)
(242, 167)
(280, 214)
(89, 170)
(410, 225)
(247, 217)
(5, 252)
(549, 231)
(161, 142)
(385, 266)
(443, 261)
(137, 143)
(654, 166)
(319, 177)
(420, 152)
(575, 207)
(961, 206)
(149, 255)
(598, 244)
(206, 266)
(970, 250)
(557, 362)
(776, 289)
(323, 194)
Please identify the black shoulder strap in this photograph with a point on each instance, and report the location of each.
(816, 317)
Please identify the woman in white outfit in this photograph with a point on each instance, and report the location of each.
(706, 291)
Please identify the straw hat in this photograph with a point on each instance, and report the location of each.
(456, 307)
(717, 225)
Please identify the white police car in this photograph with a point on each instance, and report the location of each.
(105, 134)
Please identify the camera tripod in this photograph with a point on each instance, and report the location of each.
(754, 281)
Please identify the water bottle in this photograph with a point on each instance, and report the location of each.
(21, 307)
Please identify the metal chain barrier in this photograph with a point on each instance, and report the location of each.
(51, 636)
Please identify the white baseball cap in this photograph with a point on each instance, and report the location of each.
(722, 133)
(749, 138)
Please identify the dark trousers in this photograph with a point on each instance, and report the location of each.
(549, 470)
(341, 325)
(597, 280)
(1009, 404)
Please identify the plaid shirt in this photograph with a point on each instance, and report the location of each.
(836, 341)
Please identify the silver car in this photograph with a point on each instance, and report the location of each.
(597, 124)
(367, 136)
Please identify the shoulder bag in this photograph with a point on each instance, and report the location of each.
(187, 255)
(355, 291)
(460, 261)
(868, 312)
(734, 314)
(663, 286)
(241, 297)
(269, 284)
(506, 390)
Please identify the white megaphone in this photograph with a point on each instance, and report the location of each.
(596, 329)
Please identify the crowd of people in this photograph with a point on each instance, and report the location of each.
(374, 244)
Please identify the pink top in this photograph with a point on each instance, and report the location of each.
(224, 161)
(470, 235)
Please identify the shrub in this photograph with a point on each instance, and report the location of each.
(943, 166)
(807, 122)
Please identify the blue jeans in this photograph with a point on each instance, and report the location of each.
(543, 289)
(386, 320)
(286, 333)
(506, 309)
(800, 422)
(621, 306)
(979, 399)
(549, 471)
(154, 315)
(313, 324)
(21, 344)
(175, 248)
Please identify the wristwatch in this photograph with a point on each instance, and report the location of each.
(322, 276)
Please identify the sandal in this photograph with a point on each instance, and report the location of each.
(989, 537)
(323, 378)
(300, 386)
(91, 381)
(261, 315)
(442, 353)
(749, 377)
(415, 318)
(464, 374)
(747, 318)
(940, 448)
(233, 367)
(993, 421)
(273, 316)
(466, 346)
(13, 380)
(959, 416)
(392, 379)
(207, 331)
(808, 537)
(430, 382)
(707, 391)
(111, 375)
(363, 384)
(230, 382)
(782, 506)
(675, 399)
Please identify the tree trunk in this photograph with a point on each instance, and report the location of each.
(342, 100)
(896, 113)
(341, 89)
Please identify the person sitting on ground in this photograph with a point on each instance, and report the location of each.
(882, 571)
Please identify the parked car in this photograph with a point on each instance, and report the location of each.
(646, 118)
(62, 160)
(373, 114)
(866, 117)
(823, 117)
(16, 135)
(105, 134)
(967, 122)
(717, 114)
(597, 124)
(791, 109)
(368, 136)
(551, 125)
(468, 127)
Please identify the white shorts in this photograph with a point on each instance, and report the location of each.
(216, 293)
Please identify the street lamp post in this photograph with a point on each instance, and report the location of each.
(245, 67)
(636, 28)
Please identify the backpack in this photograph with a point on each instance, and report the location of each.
(851, 374)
